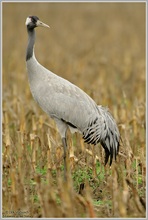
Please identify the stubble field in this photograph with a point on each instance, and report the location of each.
(100, 47)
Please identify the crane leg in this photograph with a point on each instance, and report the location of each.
(65, 164)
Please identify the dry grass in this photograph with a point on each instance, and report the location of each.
(101, 48)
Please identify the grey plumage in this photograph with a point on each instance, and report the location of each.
(67, 104)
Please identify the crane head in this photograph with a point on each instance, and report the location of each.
(33, 22)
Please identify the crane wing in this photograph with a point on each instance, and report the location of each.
(61, 99)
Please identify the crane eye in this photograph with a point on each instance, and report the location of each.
(33, 19)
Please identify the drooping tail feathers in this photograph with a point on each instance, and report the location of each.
(111, 137)
(103, 128)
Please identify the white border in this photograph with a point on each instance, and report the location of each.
(80, 1)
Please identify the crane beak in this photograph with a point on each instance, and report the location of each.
(41, 24)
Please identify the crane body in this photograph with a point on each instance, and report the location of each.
(67, 104)
(59, 98)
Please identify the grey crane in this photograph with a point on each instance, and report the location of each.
(68, 105)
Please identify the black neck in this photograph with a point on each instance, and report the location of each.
(31, 41)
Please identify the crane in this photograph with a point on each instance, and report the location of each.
(68, 105)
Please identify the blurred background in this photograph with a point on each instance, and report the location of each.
(101, 48)
(98, 46)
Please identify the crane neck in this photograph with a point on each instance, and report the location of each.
(31, 42)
